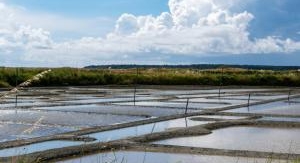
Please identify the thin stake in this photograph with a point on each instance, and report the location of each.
(134, 95)
(187, 104)
(186, 124)
(135, 83)
(16, 100)
(152, 130)
(153, 127)
(144, 158)
(249, 99)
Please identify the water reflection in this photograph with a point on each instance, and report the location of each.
(245, 138)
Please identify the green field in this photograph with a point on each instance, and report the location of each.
(151, 76)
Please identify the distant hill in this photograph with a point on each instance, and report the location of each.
(196, 66)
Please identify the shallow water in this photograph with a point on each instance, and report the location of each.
(52, 120)
(109, 100)
(151, 157)
(20, 104)
(145, 129)
(102, 136)
(197, 96)
(65, 119)
(173, 104)
(209, 100)
(280, 119)
(245, 138)
(221, 117)
(253, 97)
(13, 131)
(205, 91)
(116, 109)
(13, 100)
(280, 107)
(37, 147)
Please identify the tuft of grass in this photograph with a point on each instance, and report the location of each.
(4, 84)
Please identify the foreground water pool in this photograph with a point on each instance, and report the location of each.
(150, 157)
(279, 107)
(36, 147)
(13, 131)
(281, 140)
(103, 136)
(145, 129)
(174, 104)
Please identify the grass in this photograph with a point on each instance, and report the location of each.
(4, 84)
(157, 76)
(296, 161)
(11, 76)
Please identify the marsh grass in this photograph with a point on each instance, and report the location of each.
(151, 76)
(9, 76)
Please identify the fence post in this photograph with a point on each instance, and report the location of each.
(249, 99)
(187, 104)
(135, 83)
(153, 127)
(186, 123)
(134, 95)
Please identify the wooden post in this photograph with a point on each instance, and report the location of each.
(17, 76)
(134, 95)
(153, 127)
(249, 99)
(135, 83)
(186, 107)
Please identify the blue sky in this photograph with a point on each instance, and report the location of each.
(275, 17)
(79, 32)
(95, 8)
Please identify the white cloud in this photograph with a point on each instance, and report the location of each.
(126, 24)
(192, 27)
(13, 34)
(196, 27)
(58, 24)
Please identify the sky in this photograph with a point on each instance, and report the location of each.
(77, 33)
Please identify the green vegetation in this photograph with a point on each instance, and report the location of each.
(296, 161)
(4, 84)
(152, 76)
(11, 76)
